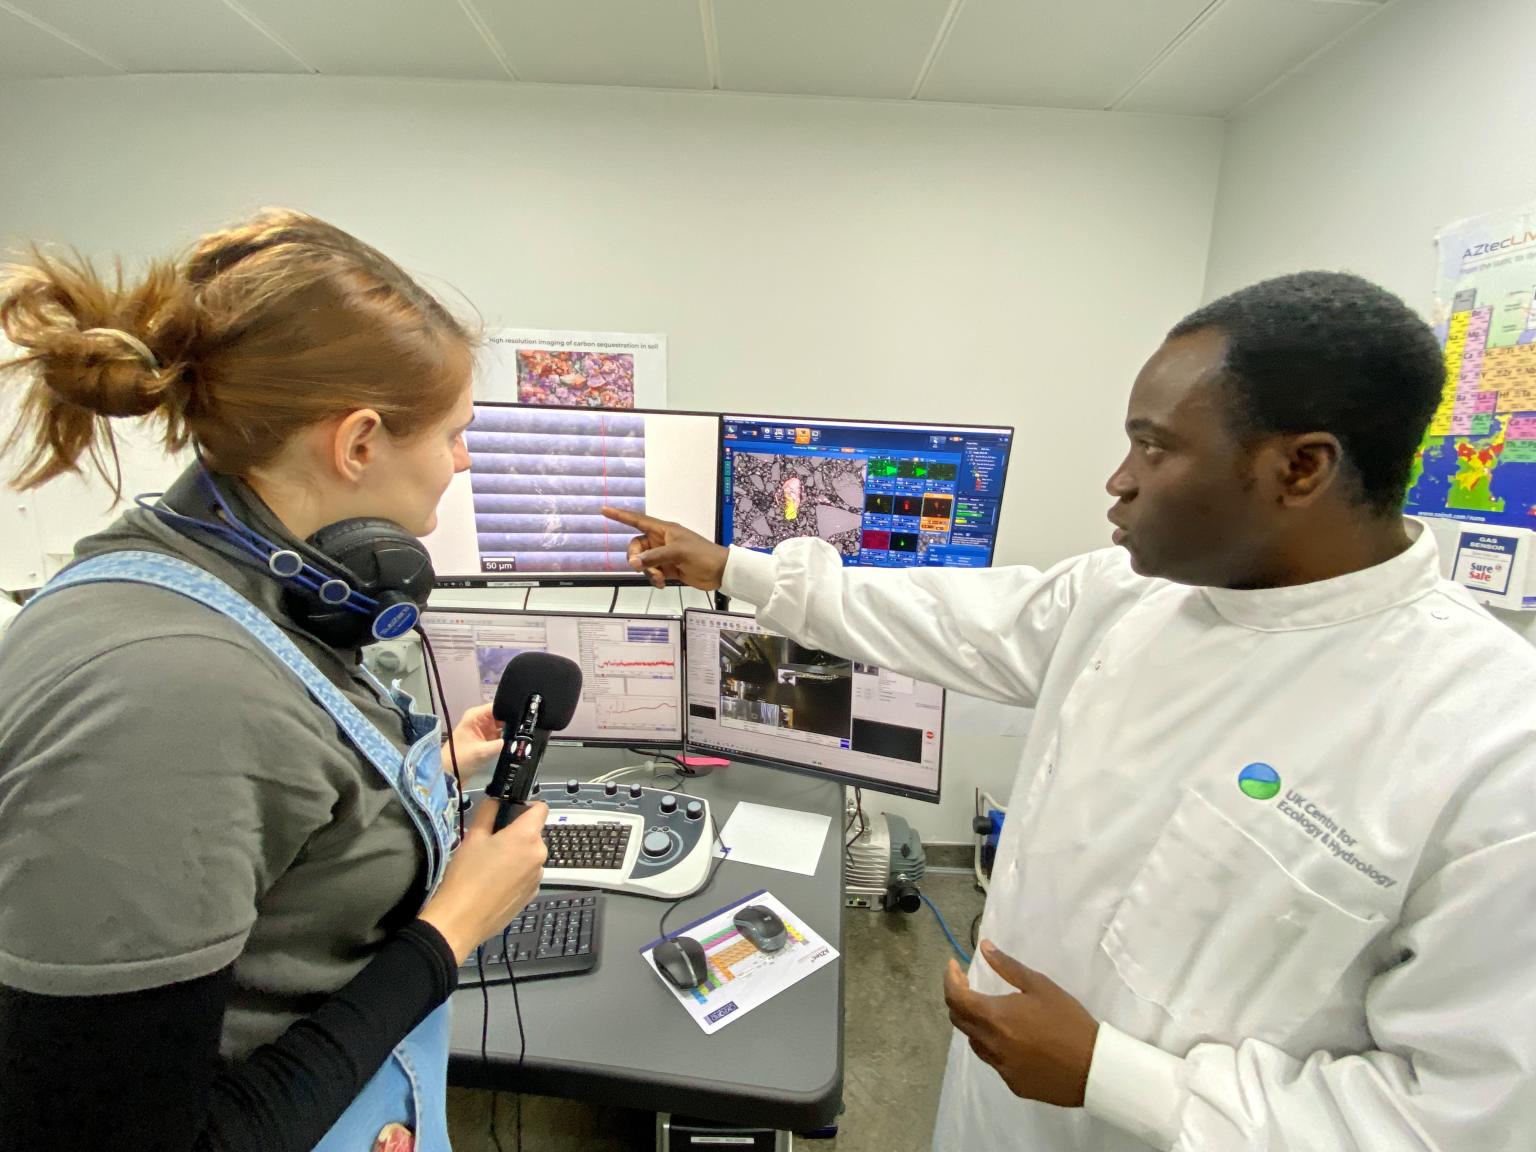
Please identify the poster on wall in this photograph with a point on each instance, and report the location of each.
(1478, 459)
(574, 369)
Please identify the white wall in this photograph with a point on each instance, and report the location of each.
(803, 256)
(1424, 115)
(38, 529)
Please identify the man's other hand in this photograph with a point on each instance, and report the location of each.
(1039, 1039)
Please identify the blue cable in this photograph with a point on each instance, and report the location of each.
(953, 943)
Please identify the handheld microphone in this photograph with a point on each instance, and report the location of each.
(537, 695)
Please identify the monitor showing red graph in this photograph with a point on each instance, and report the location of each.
(631, 667)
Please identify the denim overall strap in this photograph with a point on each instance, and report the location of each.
(424, 772)
(193, 582)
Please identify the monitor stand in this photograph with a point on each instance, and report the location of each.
(594, 600)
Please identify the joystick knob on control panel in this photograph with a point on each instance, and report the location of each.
(656, 844)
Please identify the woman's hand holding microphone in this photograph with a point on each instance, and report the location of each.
(490, 879)
(492, 875)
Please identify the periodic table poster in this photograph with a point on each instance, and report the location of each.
(1478, 458)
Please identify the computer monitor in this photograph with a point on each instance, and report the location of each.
(757, 695)
(529, 510)
(885, 494)
(632, 683)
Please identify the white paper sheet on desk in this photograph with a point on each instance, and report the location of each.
(741, 977)
(774, 838)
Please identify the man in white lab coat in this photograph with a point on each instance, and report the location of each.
(1268, 876)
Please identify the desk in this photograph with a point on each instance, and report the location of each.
(616, 1034)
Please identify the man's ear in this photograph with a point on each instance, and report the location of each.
(1311, 463)
(354, 443)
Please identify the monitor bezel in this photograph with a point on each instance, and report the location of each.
(576, 741)
(848, 779)
(453, 580)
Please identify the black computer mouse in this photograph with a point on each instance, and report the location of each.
(681, 960)
(762, 926)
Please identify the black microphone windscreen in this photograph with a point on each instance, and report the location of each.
(554, 678)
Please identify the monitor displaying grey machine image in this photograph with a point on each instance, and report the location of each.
(529, 509)
(631, 667)
(759, 696)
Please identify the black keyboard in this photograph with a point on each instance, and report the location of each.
(558, 934)
(586, 845)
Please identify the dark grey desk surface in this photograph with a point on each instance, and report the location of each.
(617, 1035)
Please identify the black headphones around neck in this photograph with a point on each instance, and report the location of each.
(349, 584)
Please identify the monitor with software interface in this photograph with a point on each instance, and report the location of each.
(529, 510)
(632, 683)
(884, 494)
(758, 696)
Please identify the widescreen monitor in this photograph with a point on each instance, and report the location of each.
(631, 667)
(528, 511)
(883, 494)
(758, 696)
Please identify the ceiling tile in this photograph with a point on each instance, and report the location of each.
(1241, 48)
(649, 44)
(27, 50)
(873, 48)
(165, 35)
(370, 38)
(1053, 53)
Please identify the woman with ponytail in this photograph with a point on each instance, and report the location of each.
(233, 890)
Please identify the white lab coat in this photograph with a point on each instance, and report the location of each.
(1350, 963)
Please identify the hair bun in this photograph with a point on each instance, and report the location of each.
(268, 328)
(105, 370)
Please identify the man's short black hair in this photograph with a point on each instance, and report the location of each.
(1330, 352)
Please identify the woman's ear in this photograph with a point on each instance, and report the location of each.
(354, 443)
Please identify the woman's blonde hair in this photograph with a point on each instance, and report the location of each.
(263, 329)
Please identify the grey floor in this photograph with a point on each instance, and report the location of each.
(896, 1035)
